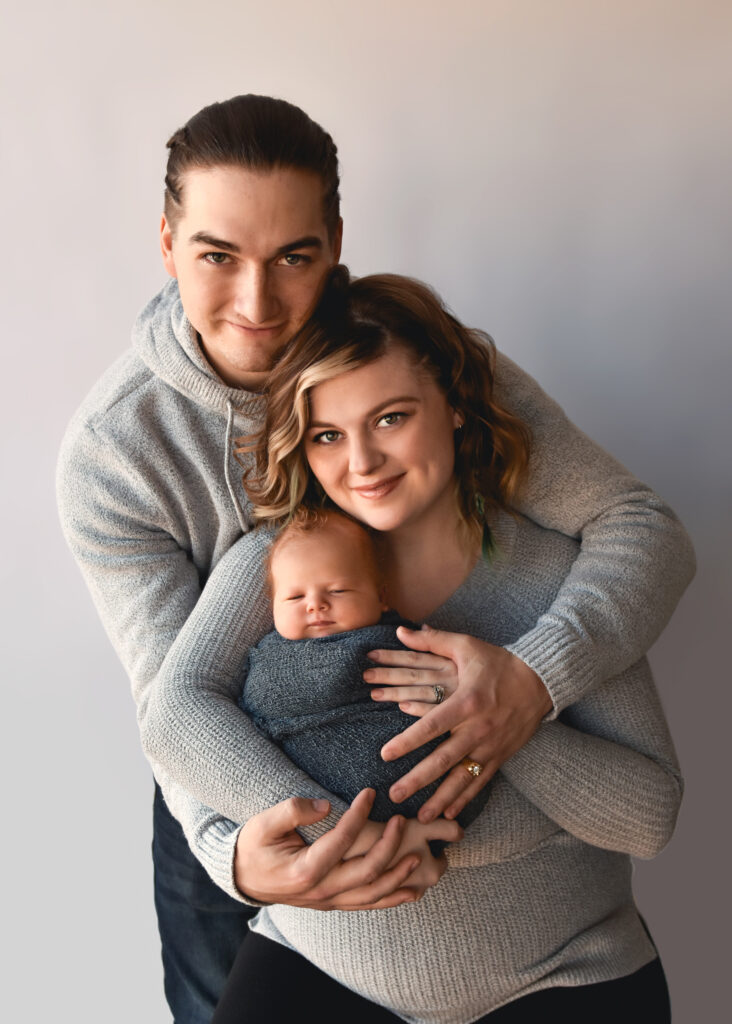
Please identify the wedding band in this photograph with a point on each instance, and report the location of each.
(439, 694)
(473, 768)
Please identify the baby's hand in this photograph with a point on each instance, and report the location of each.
(416, 838)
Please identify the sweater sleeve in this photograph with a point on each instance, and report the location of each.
(607, 772)
(129, 539)
(635, 559)
(210, 836)
(193, 727)
(123, 536)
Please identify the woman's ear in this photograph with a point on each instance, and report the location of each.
(458, 419)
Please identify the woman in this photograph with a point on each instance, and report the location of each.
(385, 410)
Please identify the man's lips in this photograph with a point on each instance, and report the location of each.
(379, 489)
(251, 329)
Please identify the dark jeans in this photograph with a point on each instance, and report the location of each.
(271, 984)
(201, 928)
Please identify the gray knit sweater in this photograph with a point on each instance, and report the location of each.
(538, 893)
(150, 499)
(309, 697)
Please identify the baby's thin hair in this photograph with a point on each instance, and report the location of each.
(305, 520)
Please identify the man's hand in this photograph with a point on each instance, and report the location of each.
(493, 705)
(273, 864)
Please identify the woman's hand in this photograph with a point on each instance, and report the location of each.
(493, 704)
(274, 864)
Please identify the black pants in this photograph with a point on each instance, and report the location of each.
(270, 984)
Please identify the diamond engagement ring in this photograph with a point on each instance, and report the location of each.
(473, 768)
(439, 694)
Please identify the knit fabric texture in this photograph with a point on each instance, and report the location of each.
(309, 697)
(538, 894)
(153, 509)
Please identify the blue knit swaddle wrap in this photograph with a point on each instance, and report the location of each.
(309, 697)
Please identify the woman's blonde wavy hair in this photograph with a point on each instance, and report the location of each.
(358, 320)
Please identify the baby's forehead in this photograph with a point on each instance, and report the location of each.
(347, 546)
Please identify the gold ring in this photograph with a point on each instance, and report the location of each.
(473, 768)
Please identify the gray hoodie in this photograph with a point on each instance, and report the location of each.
(150, 498)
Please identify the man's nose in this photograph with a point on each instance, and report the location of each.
(255, 299)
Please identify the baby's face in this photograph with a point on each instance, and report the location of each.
(323, 583)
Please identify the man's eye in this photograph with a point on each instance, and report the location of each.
(217, 258)
(326, 437)
(294, 259)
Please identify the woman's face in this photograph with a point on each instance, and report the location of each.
(380, 441)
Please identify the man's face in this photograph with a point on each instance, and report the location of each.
(251, 252)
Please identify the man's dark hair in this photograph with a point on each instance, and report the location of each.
(259, 133)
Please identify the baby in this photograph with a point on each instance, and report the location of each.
(304, 687)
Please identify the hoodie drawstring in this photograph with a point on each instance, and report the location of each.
(227, 468)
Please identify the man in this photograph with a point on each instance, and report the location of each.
(151, 498)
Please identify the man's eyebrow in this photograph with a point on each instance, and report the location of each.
(204, 238)
(307, 242)
(376, 409)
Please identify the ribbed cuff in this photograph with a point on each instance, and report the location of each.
(565, 664)
(217, 852)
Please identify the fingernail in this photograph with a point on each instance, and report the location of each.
(414, 864)
(373, 655)
(320, 804)
(377, 694)
(405, 629)
(397, 795)
(426, 816)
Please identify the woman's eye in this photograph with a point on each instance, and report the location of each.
(390, 418)
(217, 258)
(327, 437)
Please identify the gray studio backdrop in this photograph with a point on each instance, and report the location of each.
(559, 171)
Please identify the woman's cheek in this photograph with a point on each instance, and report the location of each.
(325, 470)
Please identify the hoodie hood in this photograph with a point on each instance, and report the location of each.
(168, 345)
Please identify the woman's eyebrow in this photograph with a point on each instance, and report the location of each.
(372, 412)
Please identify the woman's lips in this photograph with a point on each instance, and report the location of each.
(379, 489)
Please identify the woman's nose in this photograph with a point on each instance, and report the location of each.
(363, 456)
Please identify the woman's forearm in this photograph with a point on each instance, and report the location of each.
(193, 727)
